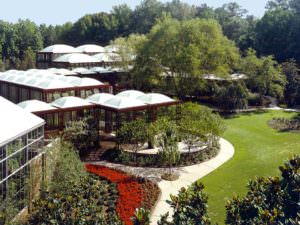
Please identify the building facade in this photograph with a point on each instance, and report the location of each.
(21, 141)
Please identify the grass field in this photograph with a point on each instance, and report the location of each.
(259, 150)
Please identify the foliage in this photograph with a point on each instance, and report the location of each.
(276, 32)
(231, 97)
(133, 135)
(271, 200)
(264, 74)
(66, 168)
(28, 60)
(128, 48)
(146, 160)
(292, 89)
(284, 124)
(92, 201)
(259, 151)
(9, 209)
(83, 134)
(145, 192)
(190, 207)
(167, 141)
(141, 217)
(179, 52)
(198, 124)
(16, 40)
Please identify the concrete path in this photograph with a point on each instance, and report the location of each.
(187, 176)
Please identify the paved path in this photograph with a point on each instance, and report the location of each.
(187, 176)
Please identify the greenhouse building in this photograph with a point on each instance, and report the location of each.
(21, 142)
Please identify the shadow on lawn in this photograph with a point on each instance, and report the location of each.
(234, 115)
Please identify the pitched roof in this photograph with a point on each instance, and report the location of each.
(15, 121)
(53, 84)
(99, 98)
(122, 103)
(91, 48)
(60, 48)
(76, 58)
(155, 98)
(108, 57)
(86, 82)
(35, 106)
(69, 102)
(130, 94)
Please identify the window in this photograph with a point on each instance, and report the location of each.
(2, 153)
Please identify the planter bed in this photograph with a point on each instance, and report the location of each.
(134, 192)
(153, 160)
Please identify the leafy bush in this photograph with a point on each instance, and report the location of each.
(133, 134)
(64, 166)
(190, 207)
(82, 134)
(270, 200)
(92, 201)
(284, 124)
(232, 97)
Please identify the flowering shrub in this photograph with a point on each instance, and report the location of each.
(133, 192)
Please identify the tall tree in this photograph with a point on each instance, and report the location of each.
(235, 22)
(49, 34)
(29, 36)
(145, 15)
(264, 75)
(180, 10)
(181, 52)
(292, 89)
(123, 16)
(28, 60)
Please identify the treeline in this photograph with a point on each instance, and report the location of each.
(265, 49)
(276, 33)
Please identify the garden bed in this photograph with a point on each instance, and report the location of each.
(134, 192)
(285, 124)
(92, 201)
(154, 160)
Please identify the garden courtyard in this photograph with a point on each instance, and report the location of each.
(259, 151)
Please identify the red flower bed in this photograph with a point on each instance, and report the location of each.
(131, 191)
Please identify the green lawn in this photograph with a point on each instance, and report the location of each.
(259, 150)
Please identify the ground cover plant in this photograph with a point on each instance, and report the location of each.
(70, 195)
(197, 127)
(134, 192)
(92, 201)
(284, 124)
(259, 150)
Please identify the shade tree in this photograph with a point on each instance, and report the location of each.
(265, 75)
(133, 135)
(179, 53)
(199, 126)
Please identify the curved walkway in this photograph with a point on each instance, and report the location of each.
(187, 176)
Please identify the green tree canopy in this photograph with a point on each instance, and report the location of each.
(265, 75)
(183, 52)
